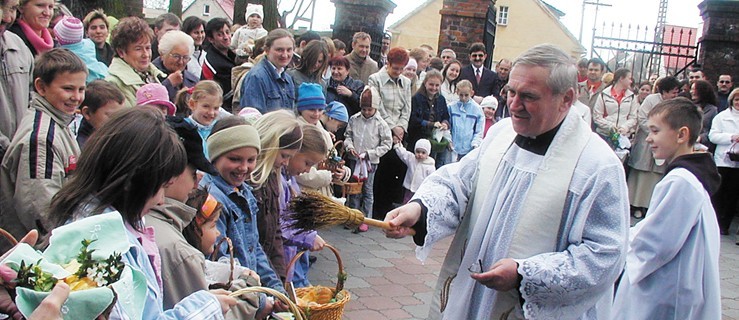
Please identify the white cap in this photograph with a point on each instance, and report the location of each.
(489, 102)
(254, 9)
(423, 144)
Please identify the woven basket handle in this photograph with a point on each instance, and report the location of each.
(13, 241)
(214, 257)
(341, 276)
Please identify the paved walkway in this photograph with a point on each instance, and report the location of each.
(387, 282)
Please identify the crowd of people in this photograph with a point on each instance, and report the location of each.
(193, 131)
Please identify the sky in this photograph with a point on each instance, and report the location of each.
(679, 12)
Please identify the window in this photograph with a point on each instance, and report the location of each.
(206, 10)
(503, 16)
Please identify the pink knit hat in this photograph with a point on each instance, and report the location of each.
(69, 30)
(155, 94)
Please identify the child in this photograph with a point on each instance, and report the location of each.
(467, 120)
(204, 102)
(489, 104)
(428, 112)
(44, 151)
(233, 150)
(280, 138)
(102, 100)
(368, 138)
(335, 117)
(409, 71)
(312, 151)
(155, 95)
(69, 32)
(420, 165)
(126, 167)
(253, 29)
(672, 263)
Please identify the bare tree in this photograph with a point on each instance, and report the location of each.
(116, 8)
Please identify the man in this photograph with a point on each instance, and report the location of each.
(362, 66)
(17, 67)
(592, 87)
(543, 235)
(696, 74)
(163, 23)
(386, 39)
(304, 40)
(724, 84)
(448, 55)
(503, 68)
(483, 79)
(219, 59)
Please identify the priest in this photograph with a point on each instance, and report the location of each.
(539, 212)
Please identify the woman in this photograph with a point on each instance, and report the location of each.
(313, 63)
(97, 29)
(195, 27)
(451, 77)
(132, 68)
(645, 172)
(175, 51)
(33, 23)
(615, 109)
(645, 88)
(725, 133)
(702, 94)
(342, 87)
(267, 86)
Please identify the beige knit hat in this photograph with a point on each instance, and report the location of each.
(232, 138)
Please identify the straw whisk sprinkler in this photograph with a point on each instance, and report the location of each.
(313, 211)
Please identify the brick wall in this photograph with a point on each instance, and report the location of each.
(462, 23)
(719, 45)
(361, 15)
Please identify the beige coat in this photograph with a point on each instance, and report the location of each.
(361, 69)
(15, 85)
(125, 78)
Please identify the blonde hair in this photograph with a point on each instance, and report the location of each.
(278, 130)
(464, 84)
(199, 91)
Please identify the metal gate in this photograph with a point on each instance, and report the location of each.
(669, 52)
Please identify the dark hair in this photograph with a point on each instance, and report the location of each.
(452, 83)
(340, 61)
(583, 62)
(397, 55)
(191, 23)
(57, 61)
(309, 36)
(599, 62)
(680, 112)
(339, 44)
(128, 31)
(311, 54)
(477, 46)
(99, 92)
(667, 84)
(437, 63)
(123, 165)
(169, 18)
(620, 74)
(194, 231)
(706, 95)
(227, 122)
(214, 25)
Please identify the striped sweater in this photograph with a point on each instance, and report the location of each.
(40, 159)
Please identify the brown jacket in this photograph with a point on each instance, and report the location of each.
(361, 69)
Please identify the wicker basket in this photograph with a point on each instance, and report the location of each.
(214, 257)
(292, 307)
(350, 188)
(328, 311)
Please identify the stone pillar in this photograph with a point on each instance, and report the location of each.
(462, 23)
(719, 45)
(361, 15)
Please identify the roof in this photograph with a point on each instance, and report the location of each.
(411, 14)
(555, 14)
(554, 10)
(226, 5)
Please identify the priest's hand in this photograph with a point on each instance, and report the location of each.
(402, 219)
(503, 276)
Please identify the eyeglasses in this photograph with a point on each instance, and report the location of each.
(477, 55)
(179, 57)
(724, 81)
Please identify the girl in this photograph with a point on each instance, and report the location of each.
(615, 109)
(451, 77)
(202, 231)
(428, 112)
(203, 101)
(312, 65)
(409, 71)
(233, 150)
(280, 138)
(312, 151)
(125, 167)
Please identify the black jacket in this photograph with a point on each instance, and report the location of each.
(217, 67)
(488, 81)
(351, 103)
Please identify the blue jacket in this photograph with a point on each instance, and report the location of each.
(203, 131)
(266, 90)
(420, 124)
(238, 221)
(468, 123)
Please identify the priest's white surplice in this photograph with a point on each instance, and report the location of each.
(672, 267)
(566, 283)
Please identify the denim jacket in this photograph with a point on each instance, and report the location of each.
(238, 221)
(266, 90)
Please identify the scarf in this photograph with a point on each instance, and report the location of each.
(41, 44)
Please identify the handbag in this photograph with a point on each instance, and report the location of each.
(733, 152)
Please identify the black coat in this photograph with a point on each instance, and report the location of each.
(351, 103)
(421, 115)
(488, 81)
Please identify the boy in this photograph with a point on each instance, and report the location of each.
(43, 153)
(102, 100)
(368, 138)
(420, 165)
(467, 120)
(672, 261)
